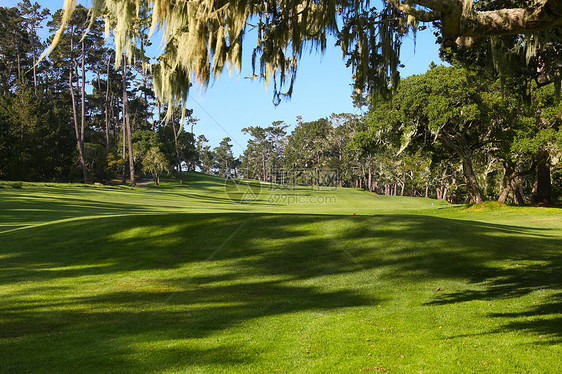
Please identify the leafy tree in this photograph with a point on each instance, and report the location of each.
(454, 116)
(178, 145)
(225, 162)
(155, 163)
(264, 150)
(305, 145)
(14, 44)
(36, 140)
(205, 155)
(33, 16)
(78, 85)
(539, 139)
(444, 105)
(71, 58)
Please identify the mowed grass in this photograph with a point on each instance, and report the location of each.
(181, 279)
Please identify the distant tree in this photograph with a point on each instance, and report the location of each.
(444, 105)
(14, 47)
(155, 163)
(205, 155)
(178, 145)
(71, 57)
(263, 153)
(256, 153)
(539, 140)
(36, 139)
(305, 145)
(224, 158)
(33, 16)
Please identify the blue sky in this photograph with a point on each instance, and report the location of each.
(323, 87)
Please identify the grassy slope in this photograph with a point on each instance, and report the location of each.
(182, 279)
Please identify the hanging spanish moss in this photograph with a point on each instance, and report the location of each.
(202, 38)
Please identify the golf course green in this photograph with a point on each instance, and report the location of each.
(208, 277)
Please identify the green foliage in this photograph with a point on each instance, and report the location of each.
(264, 152)
(462, 121)
(185, 141)
(305, 145)
(541, 128)
(155, 163)
(36, 140)
(224, 160)
(95, 156)
(205, 155)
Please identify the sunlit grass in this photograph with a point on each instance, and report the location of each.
(179, 279)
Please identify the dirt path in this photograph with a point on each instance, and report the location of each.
(144, 182)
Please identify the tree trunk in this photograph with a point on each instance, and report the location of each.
(471, 181)
(131, 158)
(77, 130)
(464, 25)
(263, 166)
(510, 184)
(178, 160)
(128, 125)
(505, 193)
(542, 188)
(370, 180)
(464, 152)
(124, 134)
(517, 198)
(106, 107)
(520, 181)
(426, 190)
(33, 49)
(83, 102)
(19, 62)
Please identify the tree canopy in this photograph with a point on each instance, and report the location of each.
(203, 37)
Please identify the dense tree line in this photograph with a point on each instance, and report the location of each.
(450, 134)
(72, 116)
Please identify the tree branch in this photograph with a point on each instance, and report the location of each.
(419, 14)
(509, 21)
(463, 25)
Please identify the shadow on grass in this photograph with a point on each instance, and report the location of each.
(121, 285)
(18, 211)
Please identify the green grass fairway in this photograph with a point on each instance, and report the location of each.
(181, 279)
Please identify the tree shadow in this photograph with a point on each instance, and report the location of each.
(18, 212)
(253, 266)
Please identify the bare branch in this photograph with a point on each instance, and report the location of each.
(463, 25)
